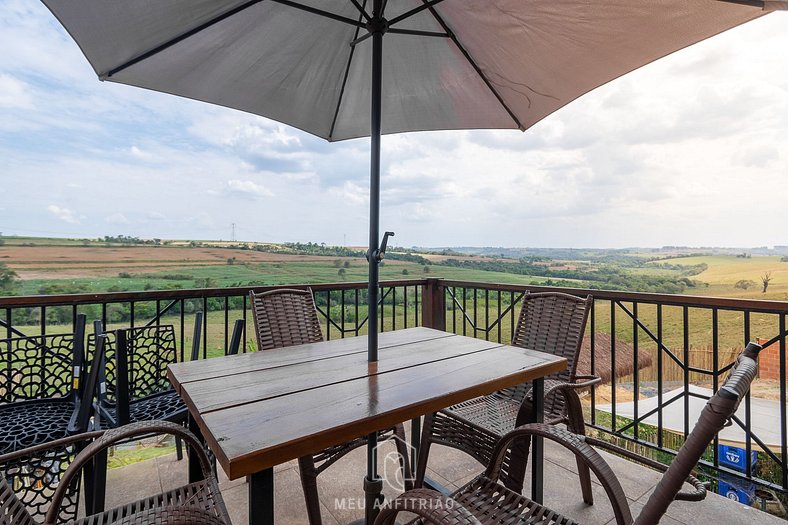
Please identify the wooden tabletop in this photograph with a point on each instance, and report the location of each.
(261, 409)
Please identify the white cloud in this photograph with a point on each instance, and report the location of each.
(117, 218)
(64, 214)
(14, 93)
(350, 193)
(246, 188)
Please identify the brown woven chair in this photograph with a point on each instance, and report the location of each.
(485, 501)
(549, 322)
(288, 317)
(198, 503)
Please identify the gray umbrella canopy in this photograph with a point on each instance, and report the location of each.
(503, 63)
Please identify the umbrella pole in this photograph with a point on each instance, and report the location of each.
(373, 485)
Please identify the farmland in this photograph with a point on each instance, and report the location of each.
(54, 266)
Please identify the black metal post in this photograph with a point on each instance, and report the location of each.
(374, 179)
(261, 497)
(372, 483)
(537, 470)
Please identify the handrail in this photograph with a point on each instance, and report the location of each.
(17, 301)
(726, 303)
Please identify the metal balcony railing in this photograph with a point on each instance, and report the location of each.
(683, 341)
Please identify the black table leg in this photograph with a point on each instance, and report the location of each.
(261, 497)
(537, 445)
(195, 472)
(415, 442)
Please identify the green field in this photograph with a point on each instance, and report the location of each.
(725, 271)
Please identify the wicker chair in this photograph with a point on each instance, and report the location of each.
(288, 317)
(41, 387)
(485, 501)
(549, 322)
(198, 503)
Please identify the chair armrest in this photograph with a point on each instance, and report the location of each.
(580, 448)
(106, 439)
(428, 504)
(573, 415)
(67, 441)
(584, 381)
(700, 487)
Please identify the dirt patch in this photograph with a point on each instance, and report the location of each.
(17, 256)
(75, 262)
(440, 258)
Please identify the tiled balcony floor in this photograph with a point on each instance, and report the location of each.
(340, 489)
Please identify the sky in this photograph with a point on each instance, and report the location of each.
(690, 150)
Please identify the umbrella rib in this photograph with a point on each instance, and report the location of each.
(316, 11)
(752, 3)
(361, 10)
(417, 32)
(426, 5)
(473, 63)
(158, 49)
(345, 77)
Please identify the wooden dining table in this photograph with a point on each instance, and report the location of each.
(261, 409)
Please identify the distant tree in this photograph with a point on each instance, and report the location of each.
(766, 279)
(205, 282)
(744, 284)
(784, 258)
(346, 264)
(426, 269)
(337, 263)
(8, 278)
(2, 242)
(231, 260)
(341, 272)
(405, 271)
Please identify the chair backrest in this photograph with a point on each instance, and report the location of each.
(554, 323)
(196, 336)
(148, 351)
(237, 338)
(285, 317)
(42, 366)
(715, 415)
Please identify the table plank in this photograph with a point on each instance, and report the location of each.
(256, 385)
(251, 437)
(187, 372)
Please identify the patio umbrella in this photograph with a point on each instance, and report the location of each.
(321, 65)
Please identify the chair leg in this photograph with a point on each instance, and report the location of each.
(576, 424)
(96, 492)
(424, 450)
(178, 448)
(308, 471)
(403, 451)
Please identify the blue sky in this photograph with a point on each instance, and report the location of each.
(689, 150)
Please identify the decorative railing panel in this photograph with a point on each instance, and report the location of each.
(656, 352)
